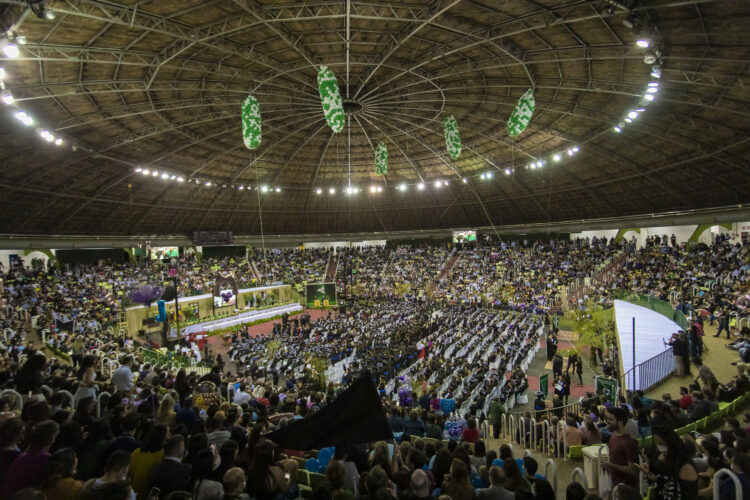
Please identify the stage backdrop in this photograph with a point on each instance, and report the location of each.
(320, 292)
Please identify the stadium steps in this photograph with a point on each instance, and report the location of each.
(332, 266)
(446, 270)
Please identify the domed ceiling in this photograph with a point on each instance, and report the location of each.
(640, 107)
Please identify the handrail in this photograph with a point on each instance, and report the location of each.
(547, 465)
(717, 479)
(16, 395)
(99, 403)
(70, 398)
(650, 372)
(578, 472)
(561, 450)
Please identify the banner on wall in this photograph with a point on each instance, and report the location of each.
(544, 384)
(608, 387)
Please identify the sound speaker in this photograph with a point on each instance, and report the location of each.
(169, 293)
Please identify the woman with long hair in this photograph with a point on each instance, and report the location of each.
(671, 467)
(204, 486)
(166, 414)
(590, 433)
(514, 480)
(441, 466)
(266, 480)
(87, 383)
(142, 459)
(59, 483)
(457, 485)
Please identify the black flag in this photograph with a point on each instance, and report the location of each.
(355, 417)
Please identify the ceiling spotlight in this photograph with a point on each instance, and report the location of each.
(278, 189)
(656, 72)
(465, 180)
(649, 57)
(571, 152)
(208, 183)
(2, 73)
(653, 84)
(146, 171)
(632, 115)
(10, 49)
(642, 43)
(445, 183)
(652, 90)
(402, 187)
(24, 118)
(557, 157)
(539, 164)
(483, 176)
(172, 177)
(7, 97)
(576, 149)
(420, 186)
(264, 189)
(20, 39)
(58, 142)
(45, 14)
(618, 129)
(380, 189)
(628, 120)
(332, 191)
(532, 166)
(241, 188)
(438, 184)
(372, 189)
(165, 176)
(155, 173)
(508, 171)
(318, 191)
(649, 97)
(180, 179)
(139, 169)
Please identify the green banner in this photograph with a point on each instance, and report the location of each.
(320, 294)
(608, 387)
(544, 384)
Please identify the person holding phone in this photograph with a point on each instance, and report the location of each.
(671, 467)
(623, 450)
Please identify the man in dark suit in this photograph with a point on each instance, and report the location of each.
(171, 474)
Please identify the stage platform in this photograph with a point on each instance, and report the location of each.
(653, 362)
(244, 317)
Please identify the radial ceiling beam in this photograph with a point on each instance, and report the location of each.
(435, 10)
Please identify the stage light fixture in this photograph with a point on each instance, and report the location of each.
(532, 166)
(557, 157)
(402, 187)
(146, 171)
(482, 176)
(241, 188)
(508, 171)
(539, 164)
(438, 184)
(318, 191)
(7, 97)
(643, 43)
(10, 49)
(420, 186)
(278, 189)
(180, 179)
(618, 129)
(58, 142)
(656, 72)
(653, 84)
(649, 97)
(465, 180)
(576, 149)
(264, 189)
(380, 189)
(628, 120)
(155, 173)
(332, 191)
(489, 175)
(652, 90)
(173, 177)
(372, 189)
(165, 176)
(632, 115)
(208, 183)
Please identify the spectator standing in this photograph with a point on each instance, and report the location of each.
(623, 450)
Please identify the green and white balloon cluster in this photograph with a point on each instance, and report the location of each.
(330, 98)
(251, 131)
(521, 115)
(381, 159)
(452, 137)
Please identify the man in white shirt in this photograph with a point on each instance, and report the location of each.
(240, 396)
(122, 379)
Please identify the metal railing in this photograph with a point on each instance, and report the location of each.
(649, 373)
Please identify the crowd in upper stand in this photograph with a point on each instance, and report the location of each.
(447, 352)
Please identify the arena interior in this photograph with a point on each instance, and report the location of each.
(374, 250)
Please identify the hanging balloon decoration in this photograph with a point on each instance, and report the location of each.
(330, 98)
(381, 159)
(521, 115)
(162, 316)
(452, 137)
(251, 131)
(146, 294)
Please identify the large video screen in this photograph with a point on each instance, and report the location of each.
(322, 293)
(464, 236)
(161, 253)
